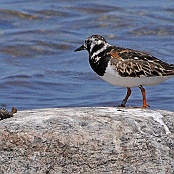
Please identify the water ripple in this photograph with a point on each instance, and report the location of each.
(12, 14)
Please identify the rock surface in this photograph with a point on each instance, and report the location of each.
(87, 140)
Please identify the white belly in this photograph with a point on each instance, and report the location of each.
(112, 77)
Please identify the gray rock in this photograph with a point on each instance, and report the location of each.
(88, 140)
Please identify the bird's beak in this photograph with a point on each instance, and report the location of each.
(80, 48)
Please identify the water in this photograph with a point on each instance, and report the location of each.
(39, 68)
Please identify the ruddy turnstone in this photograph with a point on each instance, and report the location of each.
(125, 67)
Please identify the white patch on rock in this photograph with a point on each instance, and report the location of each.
(158, 117)
(141, 113)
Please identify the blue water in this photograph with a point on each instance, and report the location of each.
(39, 68)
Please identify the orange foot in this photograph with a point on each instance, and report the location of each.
(143, 92)
(123, 104)
(145, 106)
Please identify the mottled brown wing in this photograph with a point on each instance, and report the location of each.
(131, 63)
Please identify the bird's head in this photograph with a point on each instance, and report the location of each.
(93, 43)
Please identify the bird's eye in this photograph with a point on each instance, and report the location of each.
(88, 42)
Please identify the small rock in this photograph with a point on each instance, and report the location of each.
(6, 114)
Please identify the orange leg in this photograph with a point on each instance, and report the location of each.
(143, 91)
(123, 103)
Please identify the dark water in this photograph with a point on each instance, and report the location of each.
(39, 68)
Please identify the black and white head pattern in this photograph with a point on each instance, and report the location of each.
(95, 44)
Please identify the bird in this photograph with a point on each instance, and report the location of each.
(125, 67)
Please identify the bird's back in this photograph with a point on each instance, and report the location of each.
(132, 63)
